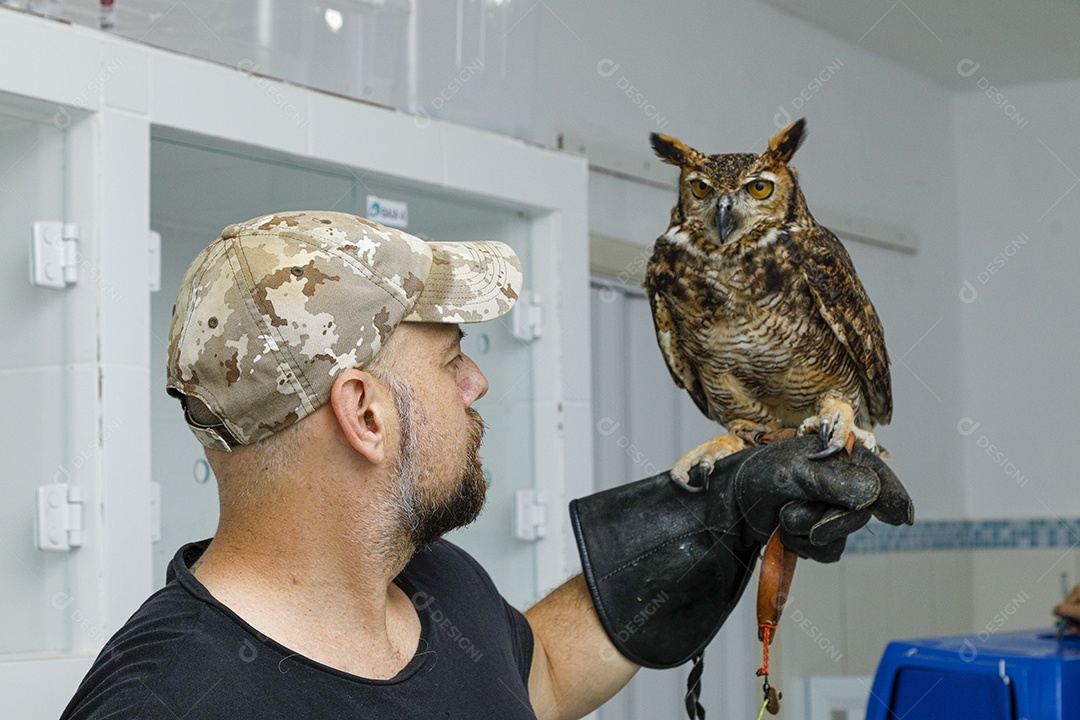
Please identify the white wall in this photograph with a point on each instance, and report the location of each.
(1018, 186)
(880, 146)
(714, 74)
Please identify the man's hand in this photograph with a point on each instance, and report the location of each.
(1070, 609)
(665, 563)
(817, 503)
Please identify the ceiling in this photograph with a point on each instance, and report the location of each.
(1012, 41)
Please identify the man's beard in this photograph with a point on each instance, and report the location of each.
(426, 508)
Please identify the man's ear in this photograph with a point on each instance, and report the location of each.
(362, 408)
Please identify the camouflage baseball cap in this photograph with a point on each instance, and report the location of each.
(273, 310)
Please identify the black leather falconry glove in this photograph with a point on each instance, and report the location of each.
(666, 564)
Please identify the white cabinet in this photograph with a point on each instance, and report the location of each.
(121, 139)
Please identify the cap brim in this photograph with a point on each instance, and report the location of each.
(469, 282)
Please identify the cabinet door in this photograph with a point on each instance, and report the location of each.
(49, 431)
(196, 190)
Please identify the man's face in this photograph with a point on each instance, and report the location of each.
(437, 476)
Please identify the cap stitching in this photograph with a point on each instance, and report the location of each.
(299, 380)
(386, 286)
(383, 284)
(492, 289)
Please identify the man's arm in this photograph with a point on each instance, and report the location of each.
(575, 668)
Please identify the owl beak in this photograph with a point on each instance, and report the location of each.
(725, 221)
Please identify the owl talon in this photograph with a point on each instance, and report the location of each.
(826, 440)
(703, 458)
(827, 452)
(831, 436)
(823, 431)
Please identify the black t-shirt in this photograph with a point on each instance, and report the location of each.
(185, 655)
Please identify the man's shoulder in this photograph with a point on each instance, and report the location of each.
(173, 649)
(127, 674)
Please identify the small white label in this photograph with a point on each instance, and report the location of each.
(388, 212)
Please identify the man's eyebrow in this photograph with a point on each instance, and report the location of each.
(454, 340)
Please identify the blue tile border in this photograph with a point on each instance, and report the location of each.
(966, 535)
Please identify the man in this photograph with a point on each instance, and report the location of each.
(317, 357)
(1069, 612)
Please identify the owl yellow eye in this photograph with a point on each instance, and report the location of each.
(759, 189)
(700, 188)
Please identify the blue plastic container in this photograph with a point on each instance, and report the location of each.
(1005, 676)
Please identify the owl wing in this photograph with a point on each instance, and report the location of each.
(682, 369)
(846, 308)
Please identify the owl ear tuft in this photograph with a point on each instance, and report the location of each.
(669, 149)
(783, 144)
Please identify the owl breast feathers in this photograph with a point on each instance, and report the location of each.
(758, 310)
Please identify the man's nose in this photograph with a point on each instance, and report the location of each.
(474, 385)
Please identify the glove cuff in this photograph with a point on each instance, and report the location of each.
(663, 565)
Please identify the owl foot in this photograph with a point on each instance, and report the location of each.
(749, 433)
(836, 425)
(705, 456)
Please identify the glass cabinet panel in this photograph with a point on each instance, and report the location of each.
(196, 191)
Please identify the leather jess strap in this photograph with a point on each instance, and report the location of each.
(777, 566)
(777, 569)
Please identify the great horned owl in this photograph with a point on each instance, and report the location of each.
(758, 310)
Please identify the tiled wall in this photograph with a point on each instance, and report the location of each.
(967, 535)
(936, 578)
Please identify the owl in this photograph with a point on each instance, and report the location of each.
(758, 310)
